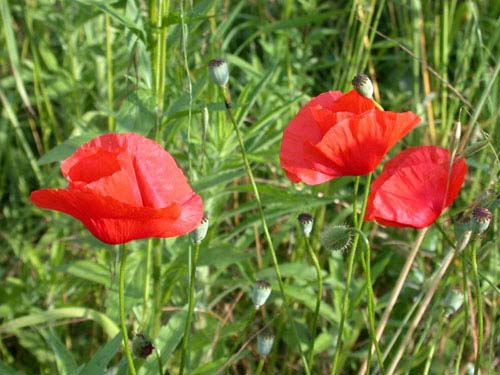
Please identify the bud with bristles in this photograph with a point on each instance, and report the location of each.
(363, 85)
(218, 71)
(306, 222)
(142, 346)
(260, 293)
(265, 341)
(336, 238)
(200, 233)
(481, 218)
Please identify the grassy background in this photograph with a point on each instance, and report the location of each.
(70, 70)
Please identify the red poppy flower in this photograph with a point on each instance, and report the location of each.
(415, 187)
(124, 187)
(340, 135)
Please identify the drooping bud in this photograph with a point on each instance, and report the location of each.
(260, 293)
(306, 222)
(363, 85)
(481, 218)
(218, 71)
(265, 341)
(142, 347)
(200, 233)
(452, 301)
(336, 238)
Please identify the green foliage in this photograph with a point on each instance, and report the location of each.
(59, 302)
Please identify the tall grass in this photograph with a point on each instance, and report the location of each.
(71, 70)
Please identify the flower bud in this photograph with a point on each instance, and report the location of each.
(141, 346)
(265, 341)
(336, 238)
(363, 85)
(200, 233)
(260, 293)
(218, 71)
(306, 222)
(481, 218)
(452, 301)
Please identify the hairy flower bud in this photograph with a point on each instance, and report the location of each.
(260, 293)
(306, 222)
(142, 346)
(265, 341)
(200, 232)
(363, 85)
(336, 237)
(218, 71)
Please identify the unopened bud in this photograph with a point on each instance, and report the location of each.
(481, 218)
(363, 85)
(141, 346)
(218, 71)
(260, 293)
(306, 222)
(265, 341)
(200, 233)
(452, 301)
(336, 238)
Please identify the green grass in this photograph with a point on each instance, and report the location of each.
(71, 70)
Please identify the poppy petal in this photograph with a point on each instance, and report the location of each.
(414, 188)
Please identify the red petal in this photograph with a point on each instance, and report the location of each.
(414, 188)
(115, 222)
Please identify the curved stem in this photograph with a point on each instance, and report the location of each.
(121, 303)
(319, 295)
(358, 220)
(479, 305)
(191, 303)
(227, 102)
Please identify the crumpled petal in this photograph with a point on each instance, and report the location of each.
(415, 187)
(124, 187)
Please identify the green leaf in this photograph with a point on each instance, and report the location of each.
(66, 364)
(101, 359)
(87, 270)
(44, 317)
(5, 369)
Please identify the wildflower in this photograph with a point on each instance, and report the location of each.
(124, 187)
(339, 134)
(415, 187)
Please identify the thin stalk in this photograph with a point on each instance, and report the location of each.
(371, 300)
(160, 363)
(227, 101)
(396, 291)
(319, 295)
(149, 255)
(185, 338)
(260, 367)
(358, 220)
(242, 334)
(109, 66)
(479, 306)
(157, 255)
(121, 303)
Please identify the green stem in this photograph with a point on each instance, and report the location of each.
(319, 296)
(185, 338)
(350, 267)
(227, 101)
(157, 287)
(242, 334)
(121, 303)
(371, 300)
(260, 367)
(145, 308)
(109, 66)
(479, 303)
(160, 363)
